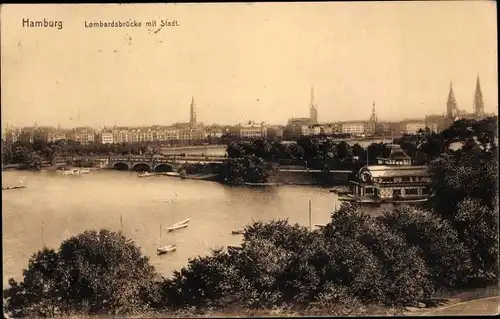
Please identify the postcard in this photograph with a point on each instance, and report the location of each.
(249, 159)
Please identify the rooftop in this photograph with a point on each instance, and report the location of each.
(394, 152)
(395, 171)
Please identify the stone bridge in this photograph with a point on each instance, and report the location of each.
(156, 164)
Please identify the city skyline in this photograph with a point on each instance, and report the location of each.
(260, 70)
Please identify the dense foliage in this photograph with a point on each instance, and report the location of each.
(94, 272)
(249, 169)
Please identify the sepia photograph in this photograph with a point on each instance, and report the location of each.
(249, 159)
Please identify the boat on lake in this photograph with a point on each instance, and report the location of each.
(166, 249)
(182, 222)
(85, 171)
(172, 174)
(238, 232)
(13, 187)
(175, 227)
(320, 225)
(74, 171)
(145, 174)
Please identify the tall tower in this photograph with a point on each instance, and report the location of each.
(478, 105)
(313, 110)
(451, 105)
(192, 118)
(373, 117)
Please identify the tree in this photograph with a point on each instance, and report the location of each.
(38, 293)
(439, 244)
(477, 225)
(344, 150)
(359, 151)
(94, 272)
(405, 276)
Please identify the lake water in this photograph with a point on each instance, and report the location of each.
(68, 205)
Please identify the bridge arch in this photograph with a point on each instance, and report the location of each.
(121, 166)
(141, 167)
(163, 168)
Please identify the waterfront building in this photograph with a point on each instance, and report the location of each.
(310, 130)
(123, 136)
(55, 136)
(386, 128)
(133, 136)
(275, 133)
(356, 128)
(293, 129)
(82, 135)
(437, 121)
(415, 125)
(394, 179)
(171, 134)
(107, 138)
(212, 134)
(252, 130)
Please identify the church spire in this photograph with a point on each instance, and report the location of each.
(373, 117)
(451, 104)
(192, 118)
(313, 110)
(478, 105)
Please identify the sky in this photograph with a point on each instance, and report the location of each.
(245, 62)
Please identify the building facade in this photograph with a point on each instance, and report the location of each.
(356, 128)
(252, 130)
(107, 138)
(394, 179)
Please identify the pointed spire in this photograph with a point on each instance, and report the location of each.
(313, 111)
(451, 104)
(312, 97)
(478, 105)
(373, 117)
(192, 118)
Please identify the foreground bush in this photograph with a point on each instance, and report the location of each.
(438, 243)
(94, 272)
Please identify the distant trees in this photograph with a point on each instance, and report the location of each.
(250, 169)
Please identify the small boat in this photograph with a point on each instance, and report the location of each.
(182, 222)
(166, 249)
(347, 198)
(320, 225)
(13, 187)
(85, 171)
(145, 174)
(175, 227)
(173, 174)
(74, 171)
(238, 232)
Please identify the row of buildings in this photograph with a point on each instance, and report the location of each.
(296, 127)
(374, 127)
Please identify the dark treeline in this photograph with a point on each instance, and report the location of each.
(395, 260)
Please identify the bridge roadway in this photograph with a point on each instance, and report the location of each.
(175, 161)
